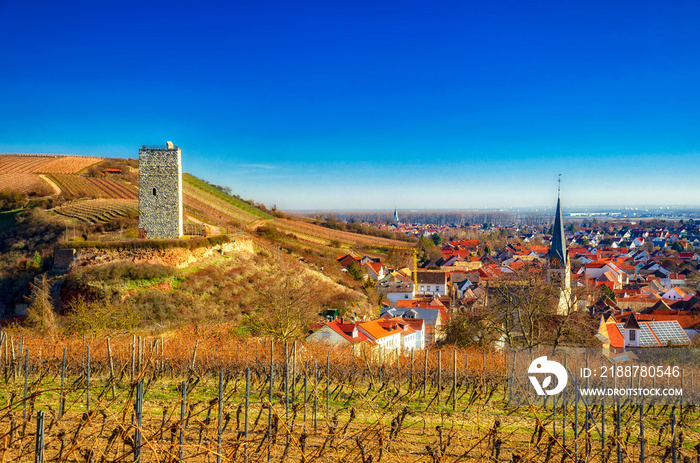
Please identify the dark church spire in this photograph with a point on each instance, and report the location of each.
(396, 215)
(558, 256)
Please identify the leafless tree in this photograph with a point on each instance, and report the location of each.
(40, 313)
(287, 304)
(523, 310)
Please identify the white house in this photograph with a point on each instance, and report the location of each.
(338, 333)
(396, 290)
(637, 243)
(432, 283)
(674, 294)
(606, 271)
(385, 333)
(375, 270)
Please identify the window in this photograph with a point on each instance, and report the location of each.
(154, 192)
(633, 335)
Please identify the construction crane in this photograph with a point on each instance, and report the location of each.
(415, 262)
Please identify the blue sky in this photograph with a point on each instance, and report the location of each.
(370, 105)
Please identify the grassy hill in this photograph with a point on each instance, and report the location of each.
(207, 193)
(94, 200)
(83, 190)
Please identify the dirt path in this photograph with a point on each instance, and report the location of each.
(254, 226)
(56, 189)
(214, 229)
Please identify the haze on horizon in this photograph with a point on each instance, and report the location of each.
(370, 105)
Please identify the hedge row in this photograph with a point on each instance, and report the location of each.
(193, 243)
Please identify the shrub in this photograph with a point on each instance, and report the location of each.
(117, 272)
(93, 317)
(270, 232)
(12, 199)
(160, 307)
(193, 243)
(32, 230)
(40, 314)
(355, 271)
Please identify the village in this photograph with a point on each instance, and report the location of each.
(637, 282)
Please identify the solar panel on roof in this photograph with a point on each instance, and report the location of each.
(669, 331)
(646, 338)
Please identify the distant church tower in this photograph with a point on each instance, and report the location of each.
(558, 259)
(396, 215)
(160, 192)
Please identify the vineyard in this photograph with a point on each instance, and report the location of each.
(204, 396)
(45, 164)
(24, 183)
(229, 205)
(195, 207)
(83, 187)
(321, 235)
(100, 210)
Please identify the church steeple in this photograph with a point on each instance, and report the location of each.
(558, 255)
(396, 215)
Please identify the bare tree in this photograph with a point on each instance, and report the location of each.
(523, 310)
(40, 313)
(470, 328)
(287, 305)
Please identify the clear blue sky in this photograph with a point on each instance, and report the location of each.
(338, 105)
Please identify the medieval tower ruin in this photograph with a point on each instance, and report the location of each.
(160, 191)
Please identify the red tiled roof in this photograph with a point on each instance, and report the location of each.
(376, 266)
(345, 330)
(517, 265)
(419, 304)
(375, 329)
(596, 264)
(616, 338)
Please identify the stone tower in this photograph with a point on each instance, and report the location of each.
(160, 191)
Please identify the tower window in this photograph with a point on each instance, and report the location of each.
(154, 192)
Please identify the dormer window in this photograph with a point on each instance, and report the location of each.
(633, 335)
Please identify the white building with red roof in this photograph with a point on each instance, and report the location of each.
(338, 333)
(633, 334)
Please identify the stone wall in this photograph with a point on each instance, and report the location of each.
(160, 192)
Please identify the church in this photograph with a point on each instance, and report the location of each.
(559, 270)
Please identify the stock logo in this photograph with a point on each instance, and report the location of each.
(549, 367)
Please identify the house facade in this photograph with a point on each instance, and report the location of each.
(396, 291)
(338, 333)
(432, 283)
